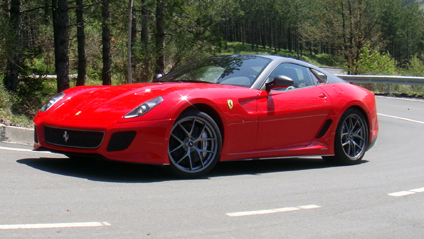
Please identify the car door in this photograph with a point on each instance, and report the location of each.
(292, 117)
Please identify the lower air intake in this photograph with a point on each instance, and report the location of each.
(121, 140)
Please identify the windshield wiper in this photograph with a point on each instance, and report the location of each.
(194, 81)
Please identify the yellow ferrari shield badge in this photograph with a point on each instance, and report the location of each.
(230, 104)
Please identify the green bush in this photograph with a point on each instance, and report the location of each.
(415, 67)
(372, 62)
(5, 97)
(7, 102)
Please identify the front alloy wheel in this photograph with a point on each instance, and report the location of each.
(194, 145)
(351, 138)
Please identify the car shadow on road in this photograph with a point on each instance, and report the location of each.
(110, 171)
(99, 170)
(271, 166)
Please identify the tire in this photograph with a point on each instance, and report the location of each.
(351, 139)
(194, 145)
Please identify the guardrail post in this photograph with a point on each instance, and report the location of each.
(388, 89)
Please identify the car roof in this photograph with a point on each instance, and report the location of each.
(281, 59)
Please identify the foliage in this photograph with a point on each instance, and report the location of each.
(415, 66)
(401, 27)
(3, 44)
(364, 36)
(7, 102)
(372, 62)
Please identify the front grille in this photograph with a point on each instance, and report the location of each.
(121, 140)
(73, 138)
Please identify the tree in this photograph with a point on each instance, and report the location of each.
(401, 24)
(131, 32)
(61, 43)
(351, 25)
(82, 60)
(107, 62)
(13, 62)
(145, 25)
(160, 37)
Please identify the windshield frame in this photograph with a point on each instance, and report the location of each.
(235, 70)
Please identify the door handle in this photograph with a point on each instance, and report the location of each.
(322, 95)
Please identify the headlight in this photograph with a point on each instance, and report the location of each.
(52, 101)
(144, 108)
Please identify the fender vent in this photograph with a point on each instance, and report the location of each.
(325, 128)
(121, 140)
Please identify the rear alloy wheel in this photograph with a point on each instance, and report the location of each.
(351, 139)
(194, 145)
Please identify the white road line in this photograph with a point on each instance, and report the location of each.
(401, 118)
(401, 194)
(269, 211)
(397, 98)
(24, 150)
(406, 193)
(309, 207)
(53, 225)
(418, 190)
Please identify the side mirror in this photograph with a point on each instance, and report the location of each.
(157, 77)
(321, 76)
(279, 81)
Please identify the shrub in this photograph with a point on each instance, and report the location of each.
(415, 67)
(372, 62)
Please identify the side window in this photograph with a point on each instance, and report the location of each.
(299, 74)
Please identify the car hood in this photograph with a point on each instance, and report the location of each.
(114, 102)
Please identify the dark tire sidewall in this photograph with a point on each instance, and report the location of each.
(340, 156)
(182, 174)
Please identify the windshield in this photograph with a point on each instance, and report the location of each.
(226, 70)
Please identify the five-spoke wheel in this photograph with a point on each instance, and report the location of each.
(194, 144)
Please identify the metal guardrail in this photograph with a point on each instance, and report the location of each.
(71, 76)
(404, 80)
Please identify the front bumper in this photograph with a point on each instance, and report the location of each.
(149, 144)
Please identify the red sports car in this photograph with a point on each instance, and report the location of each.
(217, 109)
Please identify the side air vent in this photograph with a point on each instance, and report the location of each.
(35, 135)
(325, 128)
(121, 140)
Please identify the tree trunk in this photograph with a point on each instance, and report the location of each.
(130, 37)
(107, 62)
(133, 29)
(160, 38)
(82, 60)
(61, 41)
(12, 70)
(133, 41)
(145, 26)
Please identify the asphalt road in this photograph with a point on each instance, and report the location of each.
(45, 195)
